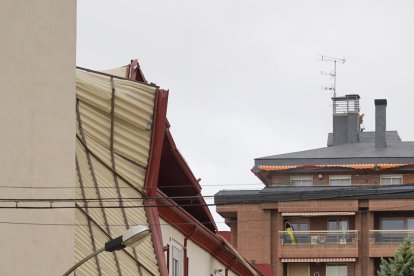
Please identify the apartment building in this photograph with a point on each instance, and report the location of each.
(332, 211)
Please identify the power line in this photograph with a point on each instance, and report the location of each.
(92, 187)
(182, 223)
(112, 225)
(243, 199)
(109, 199)
(103, 207)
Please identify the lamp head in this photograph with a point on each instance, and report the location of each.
(134, 235)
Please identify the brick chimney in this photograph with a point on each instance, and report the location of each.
(380, 123)
(346, 125)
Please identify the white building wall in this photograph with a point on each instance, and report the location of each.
(201, 262)
(37, 122)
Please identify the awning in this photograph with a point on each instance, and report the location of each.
(319, 260)
(317, 214)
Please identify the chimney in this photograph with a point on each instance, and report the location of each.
(380, 123)
(346, 126)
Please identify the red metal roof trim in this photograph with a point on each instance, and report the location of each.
(212, 243)
(266, 269)
(226, 235)
(151, 178)
(134, 72)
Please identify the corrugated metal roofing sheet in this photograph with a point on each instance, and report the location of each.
(113, 141)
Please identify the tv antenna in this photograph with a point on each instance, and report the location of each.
(332, 74)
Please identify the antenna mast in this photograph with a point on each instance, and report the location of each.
(332, 74)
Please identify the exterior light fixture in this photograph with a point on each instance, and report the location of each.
(131, 238)
(320, 176)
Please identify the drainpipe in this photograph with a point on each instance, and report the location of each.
(185, 250)
(226, 272)
(167, 249)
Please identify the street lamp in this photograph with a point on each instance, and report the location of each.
(130, 238)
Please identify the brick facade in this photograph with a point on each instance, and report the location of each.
(255, 229)
(350, 202)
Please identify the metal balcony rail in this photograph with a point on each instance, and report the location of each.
(391, 236)
(340, 237)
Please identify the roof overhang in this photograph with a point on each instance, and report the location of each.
(347, 166)
(177, 181)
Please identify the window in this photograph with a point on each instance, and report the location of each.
(395, 229)
(339, 180)
(301, 180)
(298, 269)
(337, 225)
(392, 224)
(336, 270)
(176, 261)
(391, 179)
(299, 224)
(339, 234)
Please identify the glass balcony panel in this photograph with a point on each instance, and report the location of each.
(318, 237)
(391, 236)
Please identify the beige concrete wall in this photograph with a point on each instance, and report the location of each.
(37, 112)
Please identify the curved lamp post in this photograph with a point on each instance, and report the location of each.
(130, 238)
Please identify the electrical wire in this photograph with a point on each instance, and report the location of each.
(91, 187)
(239, 199)
(242, 197)
(182, 223)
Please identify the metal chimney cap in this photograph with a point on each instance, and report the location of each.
(346, 97)
(380, 102)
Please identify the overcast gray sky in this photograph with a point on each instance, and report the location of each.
(244, 76)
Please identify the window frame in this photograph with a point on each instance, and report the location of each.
(175, 246)
(340, 177)
(300, 222)
(403, 219)
(301, 178)
(337, 266)
(391, 176)
(338, 220)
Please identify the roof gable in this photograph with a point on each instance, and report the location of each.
(177, 181)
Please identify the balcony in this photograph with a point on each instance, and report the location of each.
(384, 243)
(319, 244)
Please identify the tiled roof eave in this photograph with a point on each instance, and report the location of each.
(372, 166)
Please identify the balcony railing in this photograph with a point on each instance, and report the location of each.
(318, 237)
(391, 236)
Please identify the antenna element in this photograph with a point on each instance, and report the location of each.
(332, 74)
